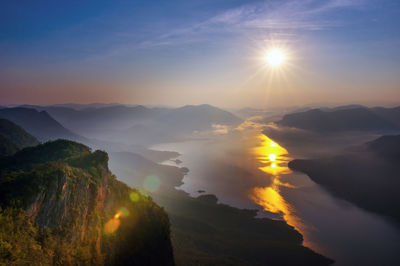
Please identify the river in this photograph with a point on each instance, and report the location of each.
(246, 169)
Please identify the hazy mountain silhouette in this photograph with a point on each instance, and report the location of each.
(78, 106)
(179, 123)
(345, 119)
(367, 175)
(345, 107)
(192, 117)
(140, 124)
(38, 123)
(14, 138)
(101, 121)
(388, 146)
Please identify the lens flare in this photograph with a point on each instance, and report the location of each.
(124, 212)
(134, 196)
(113, 224)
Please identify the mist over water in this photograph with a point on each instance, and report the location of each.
(246, 169)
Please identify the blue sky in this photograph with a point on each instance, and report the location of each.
(191, 52)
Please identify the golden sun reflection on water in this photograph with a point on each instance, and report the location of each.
(273, 160)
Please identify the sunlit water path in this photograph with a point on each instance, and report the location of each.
(246, 169)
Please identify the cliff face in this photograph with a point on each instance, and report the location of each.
(76, 212)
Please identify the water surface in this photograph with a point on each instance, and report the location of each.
(246, 169)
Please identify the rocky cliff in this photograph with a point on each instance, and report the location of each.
(63, 206)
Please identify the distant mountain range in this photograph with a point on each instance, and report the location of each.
(177, 124)
(78, 106)
(139, 124)
(38, 123)
(197, 117)
(89, 121)
(349, 118)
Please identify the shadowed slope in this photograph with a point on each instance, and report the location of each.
(367, 176)
(14, 138)
(353, 119)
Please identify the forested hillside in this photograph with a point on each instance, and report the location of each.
(61, 205)
(14, 138)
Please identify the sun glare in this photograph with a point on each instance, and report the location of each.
(275, 57)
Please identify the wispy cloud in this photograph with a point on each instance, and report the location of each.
(281, 20)
(291, 15)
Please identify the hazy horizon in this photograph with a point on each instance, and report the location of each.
(306, 105)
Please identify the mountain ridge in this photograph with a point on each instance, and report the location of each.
(38, 123)
(345, 119)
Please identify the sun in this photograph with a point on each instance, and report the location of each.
(275, 57)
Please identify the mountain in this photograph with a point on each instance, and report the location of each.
(60, 205)
(345, 119)
(197, 117)
(346, 107)
(84, 106)
(367, 176)
(180, 123)
(38, 123)
(390, 114)
(98, 122)
(388, 146)
(7, 147)
(14, 138)
(140, 124)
